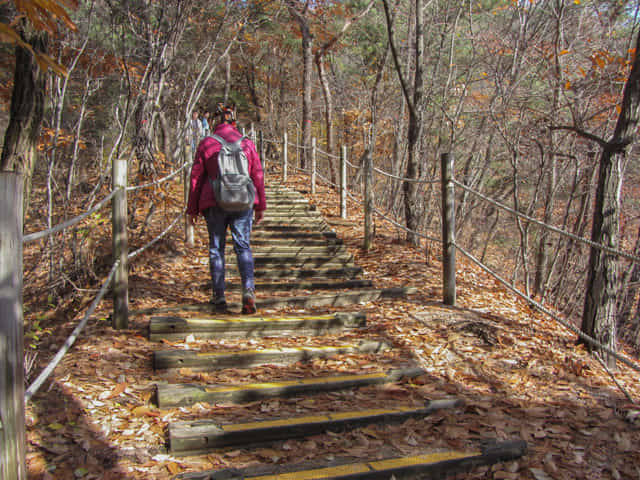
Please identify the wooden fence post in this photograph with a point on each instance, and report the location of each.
(189, 231)
(120, 246)
(285, 153)
(12, 423)
(313, 165)
(262, 151)
(343, 183)
(448, 231)
(368, 201)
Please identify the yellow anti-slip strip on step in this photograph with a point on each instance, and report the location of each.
(290, 383)
(257, 319)
(238, 427)
(282, 350)
(370, 467)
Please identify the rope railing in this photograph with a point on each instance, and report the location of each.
(37, 383)
(77, 219)
(542, 308)
(69, 223)
(46, 372)
(160, 180)
(327, 154)
(159, 237)
(552, 228)
(404, 179)
(587, 338)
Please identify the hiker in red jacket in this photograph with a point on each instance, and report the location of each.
(202, 201)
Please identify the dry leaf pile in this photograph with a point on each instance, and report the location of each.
(520, 374)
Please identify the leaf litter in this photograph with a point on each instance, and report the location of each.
(519, 374)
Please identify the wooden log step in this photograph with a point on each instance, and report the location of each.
(317, 273)
(176, 395)
(279, 213)
(296, 250)
(197, 361)
(430, 466)
(292, 242)
(285, 286)
(177, 328)
(302, 223)
(201, 436)
(338, 299)
(270, 227)
(294, 234)
(304, 261)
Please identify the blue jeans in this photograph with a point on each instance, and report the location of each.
(240, 224)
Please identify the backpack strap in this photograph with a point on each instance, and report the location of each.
(233, 146)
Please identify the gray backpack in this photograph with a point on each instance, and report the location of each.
(233, 188)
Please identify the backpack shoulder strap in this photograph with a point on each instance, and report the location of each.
(220, 140)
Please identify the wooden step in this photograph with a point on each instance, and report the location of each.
(175, 395)
(201, 436)
(292, 286)
(346, 272)
(197, 361)
(338, 299)
(293, 234)
(266, 249)
(429, 466)
(177, 328)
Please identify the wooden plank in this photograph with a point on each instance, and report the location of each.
(285, 286)
(198, 437)
(197, 361)
(174, 395)
(434, 465)
(230, 326)
(12, 421)
(307, 301)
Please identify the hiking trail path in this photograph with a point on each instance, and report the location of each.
(299, 263)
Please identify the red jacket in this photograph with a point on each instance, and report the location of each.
(206, 165)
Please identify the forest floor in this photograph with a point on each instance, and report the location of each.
(520, 374)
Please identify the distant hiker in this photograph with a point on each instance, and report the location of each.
(206, 129)
(193, 132)
(202, 201)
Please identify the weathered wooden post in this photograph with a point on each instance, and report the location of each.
(313, 165)
(262, 151)
(12, 424)
(448, 231)
(368, 201)
(187, 160)
(120, 246)
(343, 183)
(285, 159)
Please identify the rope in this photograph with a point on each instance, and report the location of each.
(68, 223)
(545, 310)
(327, 154)
(402, 227)
(577, 238)
(356, 167)
(159, 181)
(404, 179)
(33, 388)
(162, 234)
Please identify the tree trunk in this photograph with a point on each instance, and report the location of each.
(328, 116)
(412, 189)
(27, 110)
(307, 62)
(599, 315)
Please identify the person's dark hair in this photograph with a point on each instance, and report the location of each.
(226, 113)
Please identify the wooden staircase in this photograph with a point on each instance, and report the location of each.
(299, 264)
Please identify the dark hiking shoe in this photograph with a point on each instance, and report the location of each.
(219, 303)
(248, 302)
